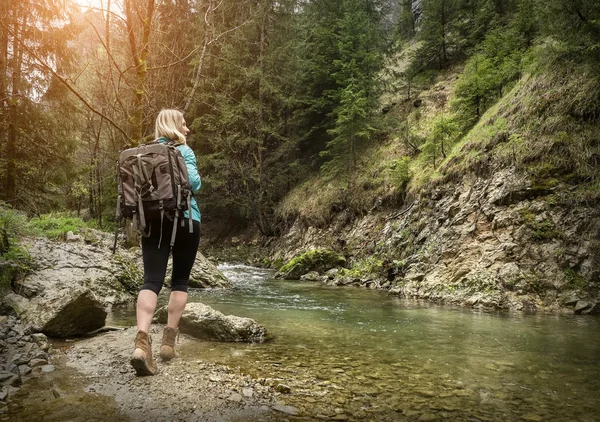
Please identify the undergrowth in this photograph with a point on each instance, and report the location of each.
(15, 224)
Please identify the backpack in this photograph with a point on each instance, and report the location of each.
(152, 183)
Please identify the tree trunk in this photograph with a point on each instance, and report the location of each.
(13, 115)
(208, 36)
(140, 61)
(261, 133)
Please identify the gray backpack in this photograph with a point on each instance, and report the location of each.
(153, 184)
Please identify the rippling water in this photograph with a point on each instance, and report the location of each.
(364, 355)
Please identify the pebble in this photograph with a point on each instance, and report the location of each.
(37, 362)
(247, 392)
(290, 410)
(4, 375)
(24, 370)
(235, 397)
(11, 380)
(283, 389)
(48, 368)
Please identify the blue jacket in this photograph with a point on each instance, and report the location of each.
(192, 169)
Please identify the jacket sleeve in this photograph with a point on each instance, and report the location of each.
(192, 169)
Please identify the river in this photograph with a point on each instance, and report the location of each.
(371, 356)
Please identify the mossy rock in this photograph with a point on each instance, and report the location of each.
(319, 260)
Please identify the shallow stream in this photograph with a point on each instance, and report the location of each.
(356, 354)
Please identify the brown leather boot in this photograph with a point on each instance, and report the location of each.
(167, 349)
(141, 359)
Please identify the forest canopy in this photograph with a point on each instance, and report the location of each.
(275, 91)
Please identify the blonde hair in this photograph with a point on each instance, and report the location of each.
(169, 124)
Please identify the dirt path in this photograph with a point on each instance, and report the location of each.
(94, 381)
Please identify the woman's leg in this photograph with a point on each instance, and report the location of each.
(155, 266)
(177, 302)
(184, 256)
(146, 305)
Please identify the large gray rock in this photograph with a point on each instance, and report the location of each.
(61, 264)
(63, 312)
(203, 322)
(204, 275)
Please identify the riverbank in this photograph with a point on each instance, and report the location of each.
(91, 379)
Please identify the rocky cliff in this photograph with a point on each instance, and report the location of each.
(494, 242)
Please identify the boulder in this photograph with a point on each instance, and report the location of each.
(203, 322)
(60, 265)
(319, 260)
(65, 312)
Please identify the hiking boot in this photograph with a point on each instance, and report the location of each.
(141, 359)
(167, 349)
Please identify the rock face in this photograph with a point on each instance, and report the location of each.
(203, 322)
(68, 292)
(62, 265)
(493, 242)
(77, 280)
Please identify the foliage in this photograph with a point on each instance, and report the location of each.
(444, 133)
(400, 173)
(13, 225)
(487, 73)
(56, 226)
(286, 100)
(357, 60)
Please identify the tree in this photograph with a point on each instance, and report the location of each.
(243, 109)
(33, 34)
(437, 29)
(359, 57)
(444, 133)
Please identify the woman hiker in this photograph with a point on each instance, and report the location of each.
(170, 126)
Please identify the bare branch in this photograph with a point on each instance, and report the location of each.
(63, 81)
(175, 62)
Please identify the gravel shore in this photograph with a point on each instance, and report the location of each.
(91, 379)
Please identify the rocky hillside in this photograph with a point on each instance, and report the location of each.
(508, 220)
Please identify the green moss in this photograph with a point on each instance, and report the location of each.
(130, 276)
(319, 260)
(365, 267)
(542, 231)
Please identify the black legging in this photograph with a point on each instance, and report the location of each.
(184, 255)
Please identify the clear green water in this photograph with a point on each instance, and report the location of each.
(365, 355)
